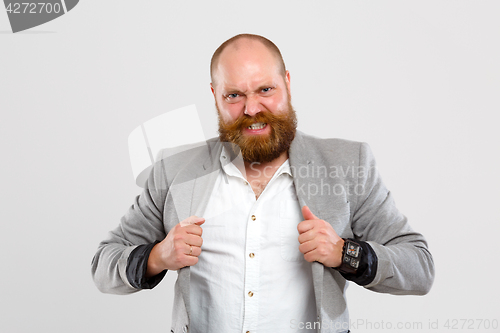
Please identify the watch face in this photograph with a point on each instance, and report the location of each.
(352, 250)
(354, 263)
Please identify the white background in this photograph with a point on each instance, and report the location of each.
(418, 80)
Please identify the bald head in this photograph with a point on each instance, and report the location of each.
(246, 45)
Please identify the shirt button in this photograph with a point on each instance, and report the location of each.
(246, 183)
(253, 218)
(251, 255)
(250, 293)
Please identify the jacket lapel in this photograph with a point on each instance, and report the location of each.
(205, 179)
(301, 164)
(192, 199)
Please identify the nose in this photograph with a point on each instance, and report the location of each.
(252, 106)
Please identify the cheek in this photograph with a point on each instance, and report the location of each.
(281, 105)
(278, 103)
(230, 112)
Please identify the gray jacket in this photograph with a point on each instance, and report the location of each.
(336, 178)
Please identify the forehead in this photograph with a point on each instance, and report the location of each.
(247, 62)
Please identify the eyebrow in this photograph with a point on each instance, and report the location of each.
(273, 85)
(227, 92)
(231, 90)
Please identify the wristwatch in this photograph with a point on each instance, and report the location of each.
(351, 256)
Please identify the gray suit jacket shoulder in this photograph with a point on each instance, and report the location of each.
(336, 178)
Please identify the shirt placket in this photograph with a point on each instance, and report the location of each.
(252, 267)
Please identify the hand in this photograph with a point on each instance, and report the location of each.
(319, 241)
(180, 248)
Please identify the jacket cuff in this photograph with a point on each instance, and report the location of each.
(137, 266)
(367, 266)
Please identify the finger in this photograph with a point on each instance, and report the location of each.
(189, 249)
(193, 220)
(193, 229)
(193, 240)
(190, 261)
(307, 247)
(307, 236)
(311, 255)
(200, 222)
(195, 251)
(304, 226)
(308, 215)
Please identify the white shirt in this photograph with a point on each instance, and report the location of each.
(251, 276)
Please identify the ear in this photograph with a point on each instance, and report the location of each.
(287, 81)
(212, 88)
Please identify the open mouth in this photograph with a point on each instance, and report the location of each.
(257, 126)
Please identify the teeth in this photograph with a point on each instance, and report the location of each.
(257, 126)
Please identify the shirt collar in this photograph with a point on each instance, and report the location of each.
(236, 167)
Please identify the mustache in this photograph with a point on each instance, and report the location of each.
(261, 117)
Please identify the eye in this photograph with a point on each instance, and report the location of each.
(268, 89)
(233, 97)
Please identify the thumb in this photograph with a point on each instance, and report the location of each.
(192, 220)
(308, 215)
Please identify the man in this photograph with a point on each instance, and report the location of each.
(284, 218)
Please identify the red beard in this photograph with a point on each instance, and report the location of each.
(260, 148)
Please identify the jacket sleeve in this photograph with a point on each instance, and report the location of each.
(405, 265)
(142, 224)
